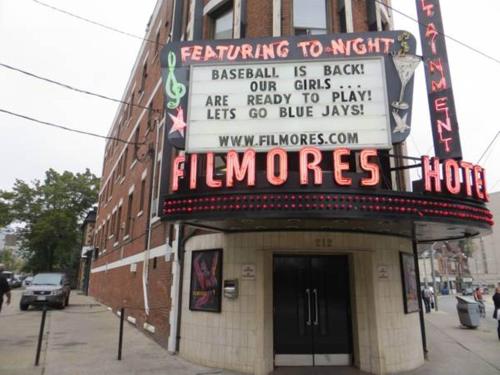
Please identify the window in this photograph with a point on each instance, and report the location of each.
(109, 229)
(222, 20)
(131, 106)
(309, 17)
(117, 228)
(150, 115)
(136, 141)
(143, 193)
(371, 15)
(144, 77)
(377, 10)
(128, 224)
(124, 162)
(113, 227)
(157, 41)
(342, 16)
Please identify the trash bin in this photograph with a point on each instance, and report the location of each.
(468, 312)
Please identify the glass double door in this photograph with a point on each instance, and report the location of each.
(312, 324)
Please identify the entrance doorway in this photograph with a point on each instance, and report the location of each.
(312, 319)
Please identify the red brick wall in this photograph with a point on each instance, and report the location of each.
(119, 286)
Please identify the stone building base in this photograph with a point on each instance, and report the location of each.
(240, 337)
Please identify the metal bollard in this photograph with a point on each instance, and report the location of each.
(40, 335)
(120, 338)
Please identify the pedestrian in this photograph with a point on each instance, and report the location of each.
(478, 296)
(433, 298)
(4, 287)
(496, 312)
(426, 295)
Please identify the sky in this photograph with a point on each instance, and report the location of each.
(50, 44)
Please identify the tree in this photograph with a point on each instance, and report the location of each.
(11, 262)
(51, 212)
(467, 247)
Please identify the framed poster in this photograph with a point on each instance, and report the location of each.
(206, 280)
(408, 276)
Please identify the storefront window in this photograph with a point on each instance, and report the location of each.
(309, 17)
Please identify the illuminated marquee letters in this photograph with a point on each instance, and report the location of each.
(456, 178)
(241, 168)
(440, 95)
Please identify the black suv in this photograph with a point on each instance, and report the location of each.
(52, 289)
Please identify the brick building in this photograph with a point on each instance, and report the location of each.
(209, 254)
(131, 265)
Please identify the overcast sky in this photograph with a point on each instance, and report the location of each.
(54, 45)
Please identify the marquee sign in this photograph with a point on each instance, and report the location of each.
(437, 73)
(299, 128)
(327, 104)
(326, 91)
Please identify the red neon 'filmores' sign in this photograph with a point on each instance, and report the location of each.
(244, 168)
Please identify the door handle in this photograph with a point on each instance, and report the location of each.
(316, 318)
(308, 294)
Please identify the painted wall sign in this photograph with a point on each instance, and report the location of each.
(248, 272)
(327, 104)
(383, 272)
(437, 73)
(356, 88)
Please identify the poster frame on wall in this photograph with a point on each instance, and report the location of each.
(408, 280)
(194, 303)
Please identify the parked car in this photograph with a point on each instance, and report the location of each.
(15, 282)
(467, 292)
(27, 281)
(52, 289)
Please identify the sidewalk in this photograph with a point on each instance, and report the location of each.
(457, 350)
(82, 340)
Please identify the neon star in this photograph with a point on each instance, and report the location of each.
(178, 123)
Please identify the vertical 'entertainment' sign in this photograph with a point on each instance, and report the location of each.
(437, 73)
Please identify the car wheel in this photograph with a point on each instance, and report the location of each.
(66, 302)
(24, 306)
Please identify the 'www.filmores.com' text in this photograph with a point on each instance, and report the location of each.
(310, 139)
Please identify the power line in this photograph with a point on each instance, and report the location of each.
(463, 44)
(155, 42)
(111, 28)
(69, 129)
(33, 75)
(489, 145)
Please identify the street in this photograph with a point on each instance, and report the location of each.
(83, 338)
